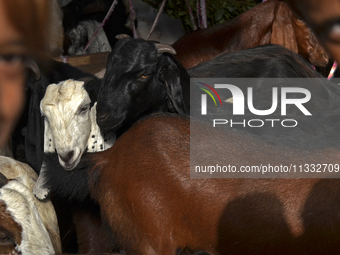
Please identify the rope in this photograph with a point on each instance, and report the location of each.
(331, 73)
(194, 27)
(131, 17)
(115, 2)
(156, 19)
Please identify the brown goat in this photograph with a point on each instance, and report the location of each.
(269, 22)
(149, 201)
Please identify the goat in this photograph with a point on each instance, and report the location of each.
(70, 126)
(152, 80)
(70, 130)
(30, 127)
(78, 11)
(148, 199)
(28, 226)
(269, 22)
(81, 35)
(30, 132)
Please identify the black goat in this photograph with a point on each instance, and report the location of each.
(142, 77)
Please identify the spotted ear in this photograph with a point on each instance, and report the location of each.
(98, 141)
(3, 180)
(282, 28)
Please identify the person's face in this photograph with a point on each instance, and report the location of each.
(324, 17)
(12, 76)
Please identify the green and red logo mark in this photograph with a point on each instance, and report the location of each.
(209, 93)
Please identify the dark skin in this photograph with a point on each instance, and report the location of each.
(12, 76)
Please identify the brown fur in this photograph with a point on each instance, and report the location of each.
(8, 229)
(92, 234)
(270, 22)
(146, 195)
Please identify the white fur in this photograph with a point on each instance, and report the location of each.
(23, 173)
(20, 203)
(81, 35)
(67, 129)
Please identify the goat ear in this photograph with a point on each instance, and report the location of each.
(176, 81)
(282, 28)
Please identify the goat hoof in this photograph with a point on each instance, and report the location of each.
(41, 193)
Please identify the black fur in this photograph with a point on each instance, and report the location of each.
(135, 85)
(126, 96)
(266, 61)
(72, 185)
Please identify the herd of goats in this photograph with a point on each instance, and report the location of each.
(102, 165)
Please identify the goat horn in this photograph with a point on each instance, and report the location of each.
(34, 68)
(121, 36)
(161, 48)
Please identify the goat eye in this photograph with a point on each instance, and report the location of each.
(143, 77)
(84, 109)
(5, 240)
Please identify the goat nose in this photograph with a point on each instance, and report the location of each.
(66, 156)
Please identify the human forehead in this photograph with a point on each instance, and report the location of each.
(10, 39)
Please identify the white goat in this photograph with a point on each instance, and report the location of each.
(70, 127)
(38, 221)
(82, 33)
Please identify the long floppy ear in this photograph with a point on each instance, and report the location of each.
(177, 84)
(282, 29)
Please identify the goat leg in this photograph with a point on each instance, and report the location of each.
(40, 190)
